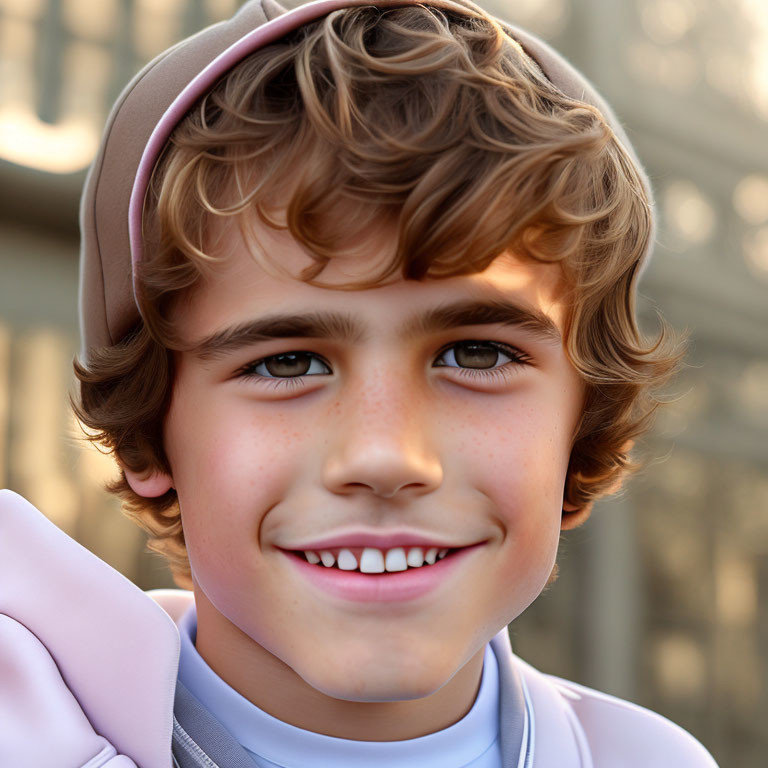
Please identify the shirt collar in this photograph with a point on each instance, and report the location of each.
(266, 736)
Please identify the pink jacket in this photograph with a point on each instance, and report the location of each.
(88, 666)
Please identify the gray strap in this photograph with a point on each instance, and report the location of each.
(200, 740)
(512, 705)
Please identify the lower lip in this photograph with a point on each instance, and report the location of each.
(381, 587)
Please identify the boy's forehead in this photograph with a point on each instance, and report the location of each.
(263, 276)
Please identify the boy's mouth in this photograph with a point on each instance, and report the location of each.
(371, 575)
(374, 560)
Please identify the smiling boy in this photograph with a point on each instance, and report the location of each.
(358, 312)
(380, 444)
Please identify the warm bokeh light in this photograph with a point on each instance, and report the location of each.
(17, 42)
(688, 212)
(29, 9)
(43, 372)
(90, 20)
(671, 68)
(736, 590)
(756, 14)
(739, 69)
(756, 251)
(750, 199)
(666, 21)
(155, 25)
(62, 148)
(681, 666)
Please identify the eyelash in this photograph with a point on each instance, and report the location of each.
(489, 374)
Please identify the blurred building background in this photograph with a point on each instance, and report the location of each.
(663, 594)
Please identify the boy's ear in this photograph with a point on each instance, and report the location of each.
(148, 484)
(574, 516)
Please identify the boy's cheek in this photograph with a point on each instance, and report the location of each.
(522, 469)
(223, 442)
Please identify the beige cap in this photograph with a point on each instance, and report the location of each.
(155, 101)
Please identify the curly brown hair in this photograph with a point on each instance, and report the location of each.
(440, 123)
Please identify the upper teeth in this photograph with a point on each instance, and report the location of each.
(374, 560)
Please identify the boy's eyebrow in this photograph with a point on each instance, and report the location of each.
(343, 327)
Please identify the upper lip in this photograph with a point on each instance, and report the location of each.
(375, 539)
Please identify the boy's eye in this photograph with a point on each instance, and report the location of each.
(479, 355)
(475, 359)
(287, 364)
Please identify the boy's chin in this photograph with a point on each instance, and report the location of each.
(382, 679)
(377, 687)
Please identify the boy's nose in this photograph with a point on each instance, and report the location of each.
(384, 469)
(382, 445)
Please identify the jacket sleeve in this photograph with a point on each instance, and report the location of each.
(41, 722)
(625, 734)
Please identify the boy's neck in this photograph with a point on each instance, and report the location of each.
(278, 690)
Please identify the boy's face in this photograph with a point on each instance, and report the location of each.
(408, 433)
